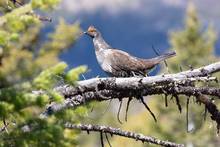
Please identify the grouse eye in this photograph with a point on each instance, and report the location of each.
(92, 29)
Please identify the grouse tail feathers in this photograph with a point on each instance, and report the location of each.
(163, 57)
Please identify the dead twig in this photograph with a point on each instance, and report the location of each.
(146, 106)
(178, 103)
(106, 136)
(127, 107)
(119, 110)
(187, 114)
(101, 139)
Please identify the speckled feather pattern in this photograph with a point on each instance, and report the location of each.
(118, 63)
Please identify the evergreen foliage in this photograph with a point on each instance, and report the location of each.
(29, 63)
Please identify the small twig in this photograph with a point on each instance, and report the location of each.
(4, 128)
(101, 139)
(5, 125)
(178, 103)
(166, 103)
(84, 78)
(127, 107)
(119, 132)
(119, 110)
(146, 106)
(106, 136)
(187, 114)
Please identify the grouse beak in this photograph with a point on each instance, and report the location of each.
(87, 33)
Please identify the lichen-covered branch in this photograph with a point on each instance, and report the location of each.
(80, 99)
(119, 132)
(200, 74)
(101, 89)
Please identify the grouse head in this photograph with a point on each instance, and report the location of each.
(92, 32)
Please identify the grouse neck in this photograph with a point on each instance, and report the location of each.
(100, 44)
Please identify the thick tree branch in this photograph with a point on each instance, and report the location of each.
(112, 88)
(201, 74)
(69, 91)
(76, 100)
(133, 83)
(119, 132)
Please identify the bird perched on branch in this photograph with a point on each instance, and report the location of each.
(118, 63)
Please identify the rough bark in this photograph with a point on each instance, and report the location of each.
(119, 132)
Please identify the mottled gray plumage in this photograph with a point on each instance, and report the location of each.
(118, 63)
